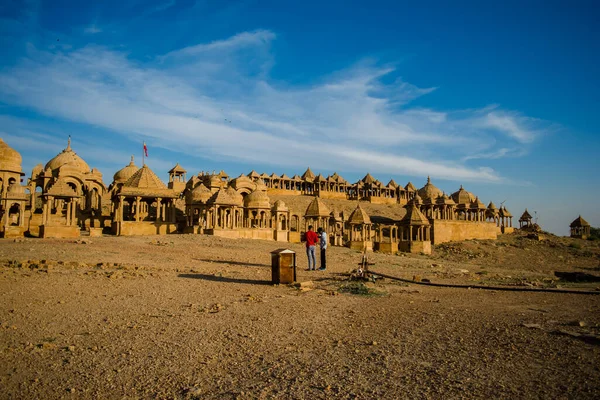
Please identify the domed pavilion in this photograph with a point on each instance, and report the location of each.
(71, 194)
(13, 196)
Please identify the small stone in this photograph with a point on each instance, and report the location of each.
(303, 284)
(71, 348)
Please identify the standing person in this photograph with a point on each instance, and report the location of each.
(311, 241)
(323, 244)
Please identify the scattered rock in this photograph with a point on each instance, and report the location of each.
(304, 284)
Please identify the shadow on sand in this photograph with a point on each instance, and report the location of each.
(246, 264)
(224, 279)
(576, 277)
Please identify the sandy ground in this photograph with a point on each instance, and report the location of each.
(188, 316)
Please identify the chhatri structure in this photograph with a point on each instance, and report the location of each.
(67, 198)
(580, 228)
(12, 195)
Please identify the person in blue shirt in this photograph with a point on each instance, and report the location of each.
(323, 245)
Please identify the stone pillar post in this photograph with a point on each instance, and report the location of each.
(68, 213)
(137, 209)
(158, 209)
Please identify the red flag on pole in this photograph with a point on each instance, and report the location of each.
(145, 149)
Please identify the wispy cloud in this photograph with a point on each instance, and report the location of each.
(259, 37)
(216, 100)
(92, 29)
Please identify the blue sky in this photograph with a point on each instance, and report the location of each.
(500, 98)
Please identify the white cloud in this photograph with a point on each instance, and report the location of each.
(216, 100)
(259, 37)
(511, 124)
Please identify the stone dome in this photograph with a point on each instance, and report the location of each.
(462, 196)
(10, 159)
(124, 174)
(227, 197)
(280, 206)
(429, 191)
(257, 199)
(200, 194)
(70, 158)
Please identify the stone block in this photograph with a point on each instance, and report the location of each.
(59, 231)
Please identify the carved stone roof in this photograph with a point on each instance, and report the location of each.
(200, 194)
(145, 183)
(320, 178)
(414, 217)
(145, 178)
(579, 223)
(317, 208)
(492, 206)
(284, 176)
(525, 216)
(359, 216)
(253, 174)
(429, 191)
(227, 197)
(368, 179)
(461, 196)
(308, 175)
(258, 199)
(61, 188)
(478, 204)
(280, 206)
(10, 159)
(70, 158)
(177, 169)
(503, 212)
(445, 199)
(392, 184)
(410, 187)
(274, 176)
(125, 173)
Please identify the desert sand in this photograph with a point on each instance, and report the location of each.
(191, 316)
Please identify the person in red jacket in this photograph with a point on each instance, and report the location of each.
(311, 241)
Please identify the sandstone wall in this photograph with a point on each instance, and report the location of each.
(382, 200)
(332, 195)
(450, 231)
(272, 191)
(59, 231)
(132, 228)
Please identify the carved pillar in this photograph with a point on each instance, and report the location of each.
(158, 210)
(137, 209)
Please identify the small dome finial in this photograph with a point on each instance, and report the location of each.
(68, 144)
(428, 179)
